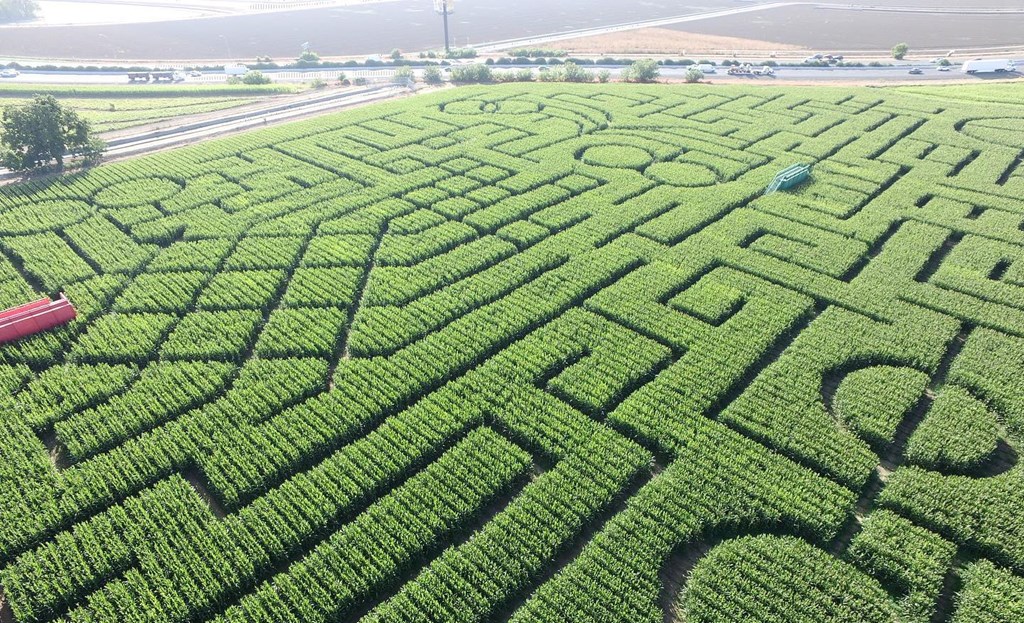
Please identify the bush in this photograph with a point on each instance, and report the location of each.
(461, 53)
(571, 72)
(432, 75)
(403, 75)
(900, 50)
(694, 75)
(472, 73)
(551, 76)
(604, 76)
(645, 70)
(535, 52)
(255, 77)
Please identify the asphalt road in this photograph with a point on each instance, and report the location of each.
(897, 72)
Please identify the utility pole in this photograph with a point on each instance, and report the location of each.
(445, 8)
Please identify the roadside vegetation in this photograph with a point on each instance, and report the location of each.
(115, 108)
(44, 131)
(17, 10)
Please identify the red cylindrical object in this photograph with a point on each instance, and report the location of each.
(35, 317)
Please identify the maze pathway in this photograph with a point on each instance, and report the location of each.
(528, 353)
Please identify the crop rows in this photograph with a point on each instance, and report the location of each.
(528, 353)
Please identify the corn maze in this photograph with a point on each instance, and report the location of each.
(529, 354)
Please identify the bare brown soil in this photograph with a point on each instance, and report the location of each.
(849, 31)
(667, 41)
(6, 614)
(674, 575)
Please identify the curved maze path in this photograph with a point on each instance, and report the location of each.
(528, 353)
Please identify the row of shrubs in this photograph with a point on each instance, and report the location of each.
(639, 71)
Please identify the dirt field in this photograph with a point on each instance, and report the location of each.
(666, 41)
(845, 30)
(378, 27)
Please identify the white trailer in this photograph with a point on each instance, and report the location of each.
(998, 66)
(235, 70)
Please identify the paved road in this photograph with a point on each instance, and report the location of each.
(899, 71)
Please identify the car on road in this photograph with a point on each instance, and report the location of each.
(943, 68)
(916, 71)
(195, 74)
(9, 73)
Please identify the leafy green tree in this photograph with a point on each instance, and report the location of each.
(308, 58)
(42, 131)
(694, 75)
(13, 10)
(396, 54)
(900, 50)
(645, 70)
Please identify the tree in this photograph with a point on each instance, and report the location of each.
(432, 75)
(13, 10)
(645, 70)
(396, 54)
(44, 130)
(308, 58)
(900, 50)
(694, 75)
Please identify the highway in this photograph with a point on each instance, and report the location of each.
(899, 71)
